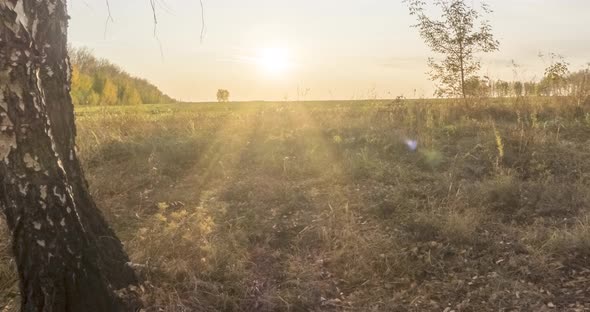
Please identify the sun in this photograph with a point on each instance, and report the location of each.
(274, 60)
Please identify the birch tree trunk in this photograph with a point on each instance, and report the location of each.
(68, 258)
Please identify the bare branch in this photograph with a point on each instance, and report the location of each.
(109, 18)
(165, 7)
(202, 21)
(153, 4)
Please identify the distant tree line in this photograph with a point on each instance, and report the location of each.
(557, 81)
(98, 82)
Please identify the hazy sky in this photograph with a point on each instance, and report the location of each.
(326, 49)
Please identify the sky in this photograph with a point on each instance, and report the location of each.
(311, 49)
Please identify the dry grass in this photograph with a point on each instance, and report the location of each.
(322, 207)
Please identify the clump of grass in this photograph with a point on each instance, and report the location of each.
(502, 194)
(456, 227)
(460, 227)
(574, 239)
(424, 226)
(560, 240)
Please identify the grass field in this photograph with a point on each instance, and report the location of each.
(324, 207)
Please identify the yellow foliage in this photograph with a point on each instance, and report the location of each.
(499, 144)
(109, 93)
(161, 217)
(206, 225)
(162, 206)
(179, 215)
(82, 92)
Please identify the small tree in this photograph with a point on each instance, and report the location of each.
(109, 93)
(556, 74)
(82, 92)
(502, 88)
(530, 88)
(580, 82)
(222, 95)
(477, 87)
(457, 38)
(131, 96)
(518, 87)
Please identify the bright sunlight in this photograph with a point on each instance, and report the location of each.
(274, 60)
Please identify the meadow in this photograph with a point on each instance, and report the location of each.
(324, 206)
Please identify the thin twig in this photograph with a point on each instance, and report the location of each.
(109, 18)
(202, 21)
(153, 4)
(161, 48)
(165, 7)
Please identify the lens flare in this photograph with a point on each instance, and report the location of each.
(411, 144)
